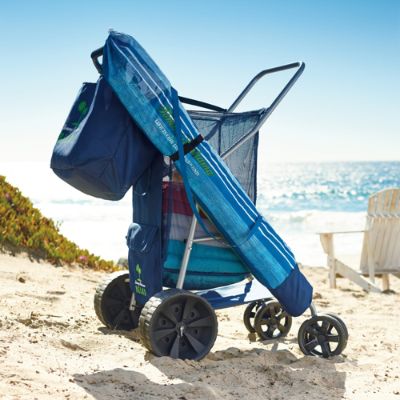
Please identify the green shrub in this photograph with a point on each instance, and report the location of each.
(24, 228)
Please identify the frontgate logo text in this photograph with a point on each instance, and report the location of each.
(166, 114)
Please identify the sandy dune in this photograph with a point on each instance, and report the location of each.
(53, 347)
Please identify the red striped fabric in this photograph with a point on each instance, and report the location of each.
(175, 192)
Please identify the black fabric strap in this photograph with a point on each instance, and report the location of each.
(202, 104)
(188, 147)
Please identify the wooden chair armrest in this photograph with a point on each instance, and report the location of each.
(339, 232)
(326, 239)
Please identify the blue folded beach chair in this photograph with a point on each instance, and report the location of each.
(197, 242)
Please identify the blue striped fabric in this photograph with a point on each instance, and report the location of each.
(146, 94)
(209, 266)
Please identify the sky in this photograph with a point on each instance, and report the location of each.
(345, 106)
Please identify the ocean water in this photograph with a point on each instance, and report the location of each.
(302, 199)
(299, 200)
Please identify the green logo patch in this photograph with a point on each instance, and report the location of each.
(83, 109)
(140, 288)
(166, 114)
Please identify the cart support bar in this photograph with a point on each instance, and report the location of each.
(186, 254)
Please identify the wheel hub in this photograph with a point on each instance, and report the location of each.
(321, 339)
(180, 328)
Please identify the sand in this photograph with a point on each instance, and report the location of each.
(53, 347)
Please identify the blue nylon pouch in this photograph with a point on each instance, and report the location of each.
(101, 151)
(144, 235)
(143, 259)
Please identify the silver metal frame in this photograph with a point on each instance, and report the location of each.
(268, 111)
(313, 310)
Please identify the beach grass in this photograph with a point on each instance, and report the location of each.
(23, 228)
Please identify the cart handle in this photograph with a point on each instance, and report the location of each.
(268, 111)
(300, 68)
(95, 55)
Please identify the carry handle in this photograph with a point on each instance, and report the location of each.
(96, 54)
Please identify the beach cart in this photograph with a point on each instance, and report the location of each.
(197, 242)
(184, 262)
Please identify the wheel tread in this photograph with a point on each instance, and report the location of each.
(98, 296)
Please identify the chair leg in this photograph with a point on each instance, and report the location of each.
(353, 275)
(332, 273)
(329, 249)
(385, 282)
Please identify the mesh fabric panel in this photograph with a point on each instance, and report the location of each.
(225, 130)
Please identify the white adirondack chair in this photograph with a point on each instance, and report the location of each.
(380, 254)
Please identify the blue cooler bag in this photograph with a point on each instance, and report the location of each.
(101, 151)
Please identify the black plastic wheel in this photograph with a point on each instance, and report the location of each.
(322, 336)
(340, 321)
(179, 324)
(112, 300)
(272, 321)
(249, 314)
